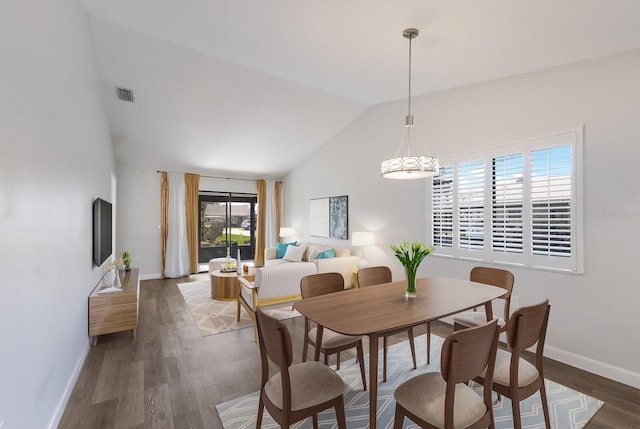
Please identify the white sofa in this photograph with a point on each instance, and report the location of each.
(344, 263)
(273, 286)
(278, 282)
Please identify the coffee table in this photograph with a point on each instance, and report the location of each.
(376, 309)
(225, 286)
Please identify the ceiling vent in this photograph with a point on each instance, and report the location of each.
(124, 94)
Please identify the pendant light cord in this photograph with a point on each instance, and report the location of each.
(409, 111)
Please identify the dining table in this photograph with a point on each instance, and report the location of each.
(377, 309)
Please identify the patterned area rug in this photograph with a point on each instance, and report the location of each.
(213, 316)
(568, 409)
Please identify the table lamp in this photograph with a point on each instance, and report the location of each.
(286, 232)
(362, 239)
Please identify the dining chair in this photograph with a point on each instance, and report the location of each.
(443, 399)
(514, 377)
(298, 391)
(370, 276)
(493, 277)
(331, 342)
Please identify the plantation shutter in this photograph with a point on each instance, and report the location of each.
(551, 197)
(470, 186)
(442, 204)
(507, 204)
(517, 204)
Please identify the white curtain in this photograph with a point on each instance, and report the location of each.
(271, 235)
(177, 260)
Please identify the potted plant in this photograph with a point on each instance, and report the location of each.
(410, 256)
(126, 259)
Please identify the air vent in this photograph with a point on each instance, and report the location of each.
(124, 94)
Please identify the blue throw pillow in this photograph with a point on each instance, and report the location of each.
(329, 253)
(281, 248)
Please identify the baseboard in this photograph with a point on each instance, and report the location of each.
(603, 369)
(66, 394)
(152, 276)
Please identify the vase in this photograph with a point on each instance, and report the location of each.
(411, 282)
(116, 279)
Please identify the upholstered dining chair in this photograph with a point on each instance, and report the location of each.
(370, 276)
(298, 391)
(443, 399)
(331, 342)
(513, 376)
(494, 277)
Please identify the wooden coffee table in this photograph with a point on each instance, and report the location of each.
(225, 286)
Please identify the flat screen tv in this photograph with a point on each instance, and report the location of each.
(102, 213)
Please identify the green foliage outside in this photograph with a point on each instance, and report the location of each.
(221, 240)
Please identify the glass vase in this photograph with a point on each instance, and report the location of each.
(116, 279)
(411, 282)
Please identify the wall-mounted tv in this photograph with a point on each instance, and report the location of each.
(102, 234)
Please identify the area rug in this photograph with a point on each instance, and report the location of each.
(568, 408)
(213, 316)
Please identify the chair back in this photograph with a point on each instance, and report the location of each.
(528, 326)
(320, 284)
(499, 278)
(275, 341)
(373, 275)
(466, 353)
(494, 277)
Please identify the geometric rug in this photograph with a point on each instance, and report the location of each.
(213, 316)
(567, 408)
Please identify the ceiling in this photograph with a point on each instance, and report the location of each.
(250, 89)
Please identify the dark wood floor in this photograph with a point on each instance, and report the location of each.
(172, 377)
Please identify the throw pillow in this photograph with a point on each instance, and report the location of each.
(329, 253)
(294, 253)
(281, 248)
(313, 254)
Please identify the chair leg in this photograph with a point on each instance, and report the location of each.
(260, 411)
(428, 343)
(340, 416)
(545, 405)
(315, 421)
(515, 409)
(360, 354)
(413, 347)
(384, 359)
(338, 360)
(305, 348)
(398, 420)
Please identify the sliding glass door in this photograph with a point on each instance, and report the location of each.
(227, 221)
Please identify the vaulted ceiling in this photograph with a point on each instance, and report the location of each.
(251, 88)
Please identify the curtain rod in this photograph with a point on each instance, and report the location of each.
(212, 177)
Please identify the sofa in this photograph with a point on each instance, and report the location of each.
(278, 281)
(343, 262)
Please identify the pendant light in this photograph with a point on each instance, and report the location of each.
(405, 165)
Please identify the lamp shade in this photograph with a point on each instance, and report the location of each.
(287, 232)
(363, 238)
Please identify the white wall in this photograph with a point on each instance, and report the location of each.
(591, 314)
(139, 218)
(55, 159)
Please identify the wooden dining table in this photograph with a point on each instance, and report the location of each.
(374, 310)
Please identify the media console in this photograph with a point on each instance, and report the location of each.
(115, 311)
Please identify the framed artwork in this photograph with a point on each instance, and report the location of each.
(329, 217)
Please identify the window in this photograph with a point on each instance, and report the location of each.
(227, 220)
(517, 204)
